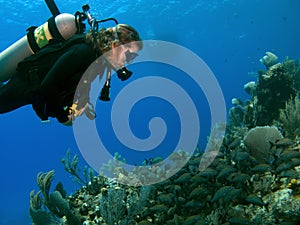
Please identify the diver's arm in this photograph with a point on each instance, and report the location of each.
(75, 60)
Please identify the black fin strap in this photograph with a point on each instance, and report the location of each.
(31, 39)
(53, 29)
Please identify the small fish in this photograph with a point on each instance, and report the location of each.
(255, 200)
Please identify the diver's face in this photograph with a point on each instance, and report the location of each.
(121, 55)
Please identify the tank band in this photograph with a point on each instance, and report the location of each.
(31, 39)
(53, 29)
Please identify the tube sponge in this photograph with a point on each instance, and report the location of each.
(269, 59)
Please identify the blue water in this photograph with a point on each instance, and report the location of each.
(230, 36)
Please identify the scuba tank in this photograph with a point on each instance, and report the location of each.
(59, 26)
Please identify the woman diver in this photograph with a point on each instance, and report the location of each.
(48, 80)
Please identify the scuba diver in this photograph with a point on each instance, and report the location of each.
(49, 78)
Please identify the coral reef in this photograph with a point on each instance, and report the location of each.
(253, 179)
(269, 94)
(234, 189)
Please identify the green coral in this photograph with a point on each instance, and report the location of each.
(44, 181)
(112, 207)
(50, 207)
(290, 117)
(121, 205)
(38, 215)
(70, 166)
(88, 180)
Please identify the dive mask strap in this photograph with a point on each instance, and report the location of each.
(116, 33)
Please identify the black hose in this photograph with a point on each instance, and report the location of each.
(52, 7)
(101, 21)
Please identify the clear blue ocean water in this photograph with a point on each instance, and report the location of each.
(229, 35)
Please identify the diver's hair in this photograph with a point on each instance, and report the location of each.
(105, 37)
(127, 34)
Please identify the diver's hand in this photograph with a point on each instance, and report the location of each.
(88, 109)
(79, 112)
(69, 122)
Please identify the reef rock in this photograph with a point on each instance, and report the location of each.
(284, 205)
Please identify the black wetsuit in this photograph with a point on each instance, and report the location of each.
(48, 87)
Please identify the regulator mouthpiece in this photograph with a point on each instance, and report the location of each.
(124, 73)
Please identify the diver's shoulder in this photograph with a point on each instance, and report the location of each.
(81, 46)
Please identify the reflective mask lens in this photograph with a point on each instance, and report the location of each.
(130, 56)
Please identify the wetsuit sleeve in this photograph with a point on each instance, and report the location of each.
(75, 60)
